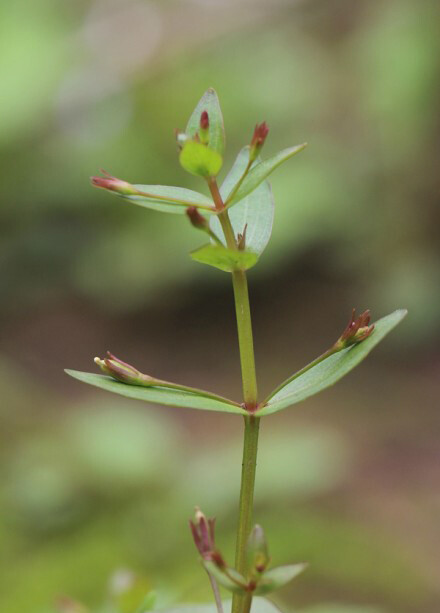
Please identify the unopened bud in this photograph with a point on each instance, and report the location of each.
(113, 184)
(203, 534)
(357, 330)
(241, 242)
(197, 220)
(204, 128)
(121, 371)
(260, 133)
(258, 554)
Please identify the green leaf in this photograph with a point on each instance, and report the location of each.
(259, 605)
(261, 171)
(224, 580)
(169, 199)
(209, 102)
(224, 258)
(330, 370)
(158, 395)
(255, 210)
(278, 577)
(200, 160)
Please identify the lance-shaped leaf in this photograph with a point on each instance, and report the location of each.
(169, 199)
(158, 395)
(278, 577)
(309, 381)
(259, 605)
(224, 258)
(255, 212)
(209, 102)
(200, 160)
(262, 170)
(227, 577)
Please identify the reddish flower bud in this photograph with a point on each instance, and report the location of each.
(197, 220)
(121, 371)
(204, 120)
(204, 128)
(113, 184)
(203, 534)
(356, 331)
(260, 133)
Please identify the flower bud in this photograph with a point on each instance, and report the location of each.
(113, 184)
(260, 133)
(204, 128)
(121, 371)
(241, 239)
(258, 554)
(357, 330)
(197, 220)
(203, 534)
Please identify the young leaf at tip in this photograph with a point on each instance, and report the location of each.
(209, 102)
(200, 160)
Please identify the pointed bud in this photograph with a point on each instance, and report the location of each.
(356, 331)
(258, 554)
(197, 220)
(241, 239)
(121, 371)
(113, 184)
(260, 133)
(203, 534)
(204, 128)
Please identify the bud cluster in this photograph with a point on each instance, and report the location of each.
(356, 331)
(121, 371)
(258, 580)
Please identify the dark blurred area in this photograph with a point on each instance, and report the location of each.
(349, 481)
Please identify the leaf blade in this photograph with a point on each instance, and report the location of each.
(156, 395)
(330, 370)
(261, 171)
(209, 102)
(200, 160)
(256, 210)
(278, 577)
(223, 258)
(166, 196)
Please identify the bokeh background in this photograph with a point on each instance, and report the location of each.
(349, 480)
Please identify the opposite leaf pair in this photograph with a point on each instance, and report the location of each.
(260, 580)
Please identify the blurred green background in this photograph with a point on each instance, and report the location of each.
(90, 483)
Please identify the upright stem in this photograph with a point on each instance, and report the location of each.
(242, 604)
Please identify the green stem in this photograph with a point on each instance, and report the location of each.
(242, 604)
